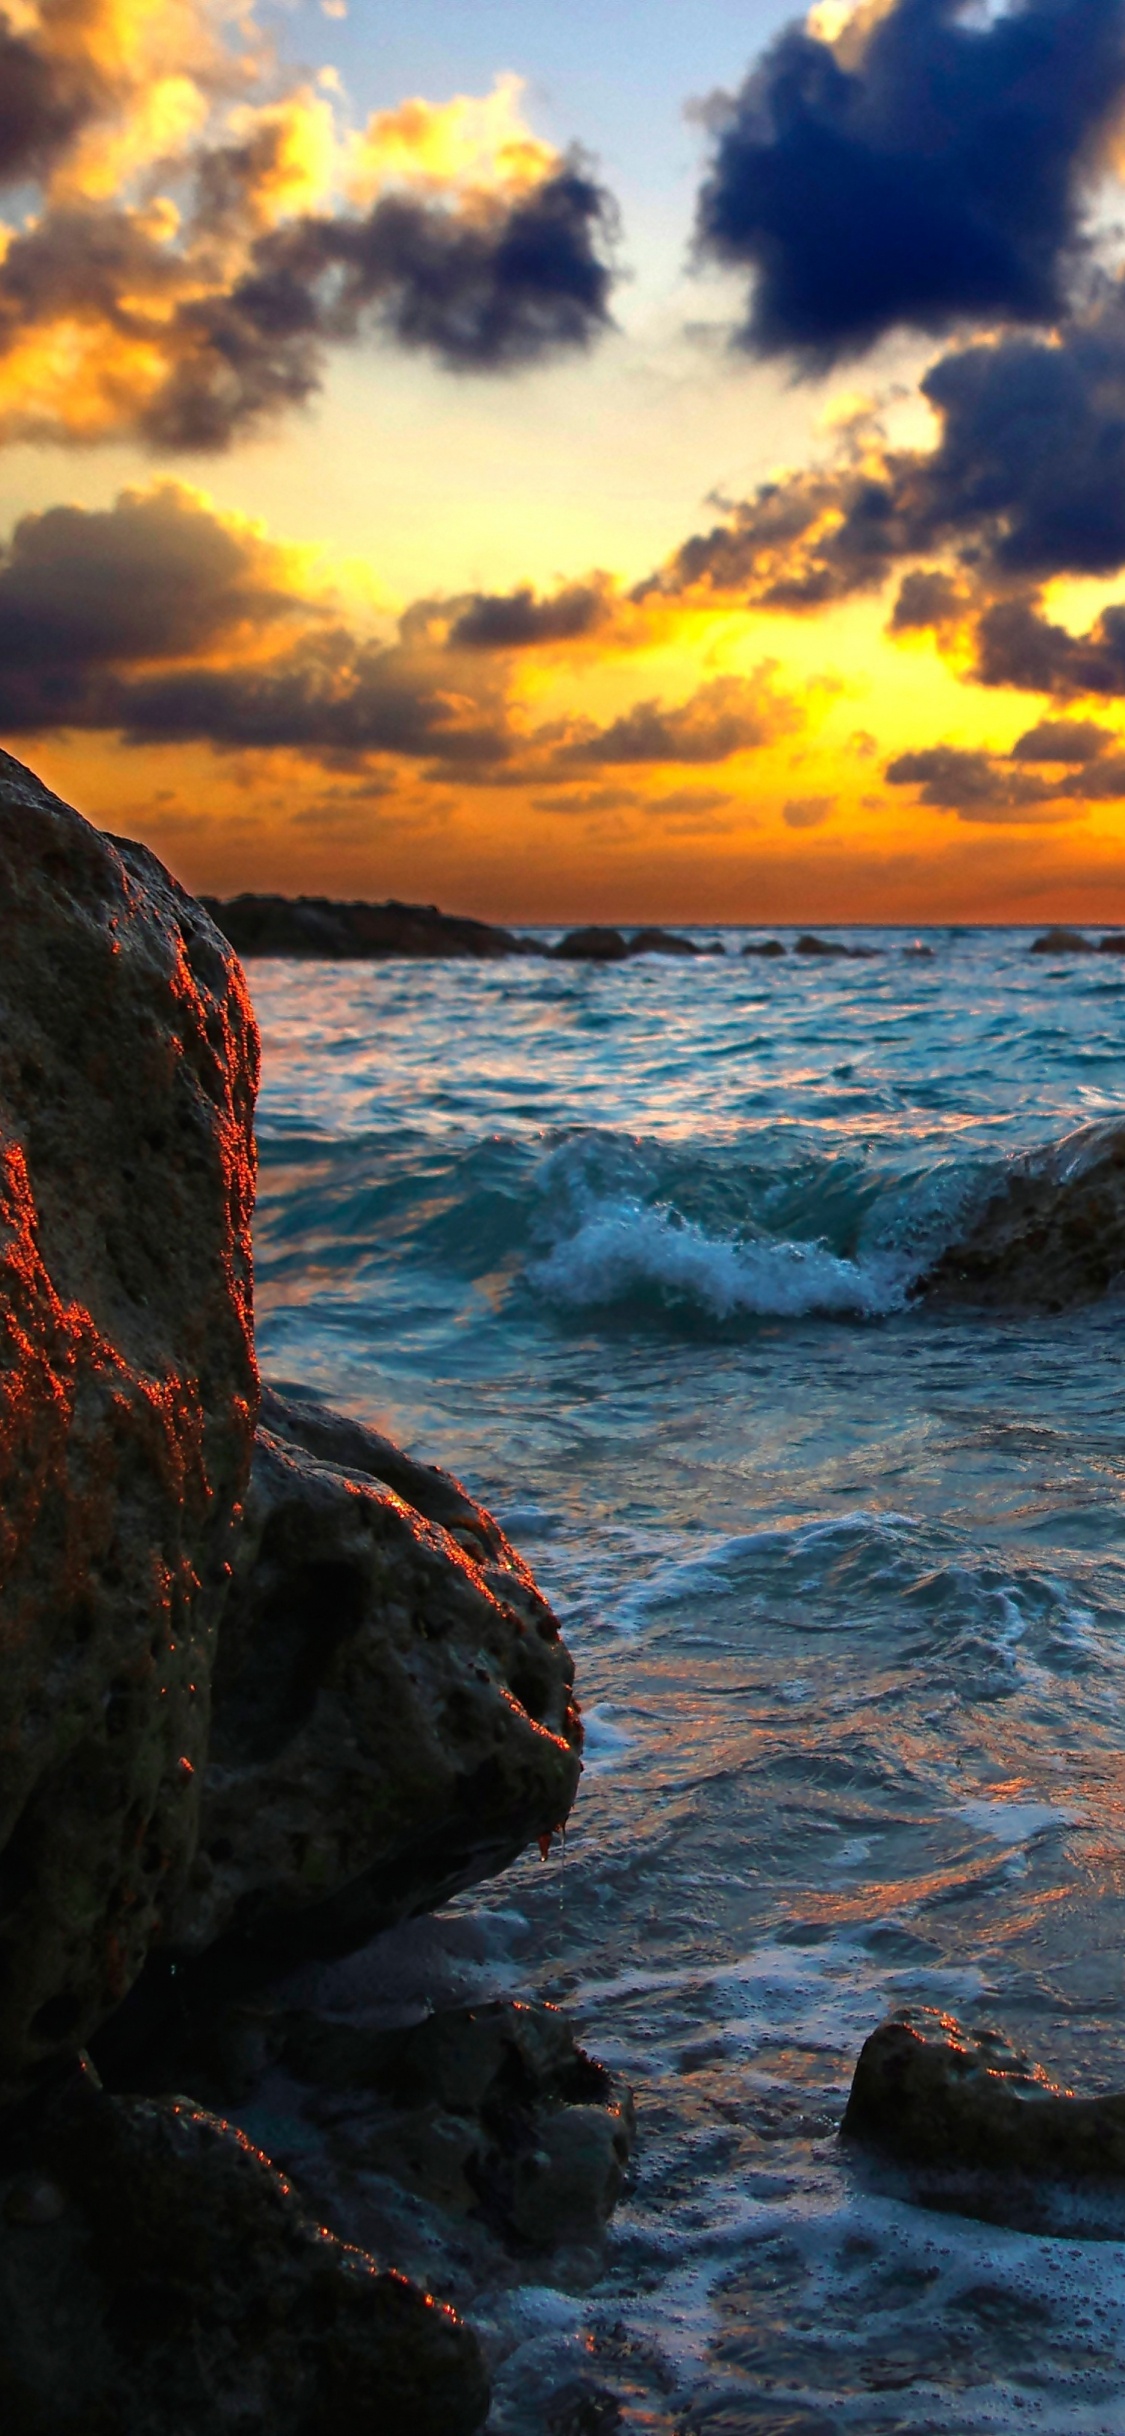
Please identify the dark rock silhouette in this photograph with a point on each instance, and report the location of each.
(594, 945)
(324, 926)
(763, 947)
(1062, 942)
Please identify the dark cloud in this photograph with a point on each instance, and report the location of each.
(725, 716)
(928, 597)
(326, 697)
(1066, 741)
(1018, 646)
(992, 788)
(157, 576)
(43, 103)
(924, 169)
(515, 621)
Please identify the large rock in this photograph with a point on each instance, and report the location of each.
(1052, 1234)
(128, 1060)
(392, 1715)
(158, 2273)
(930, 2093)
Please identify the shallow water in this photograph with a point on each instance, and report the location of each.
(630, 1250)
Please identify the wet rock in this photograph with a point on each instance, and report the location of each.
(128, 1060)
(491, 2110)
(1051, 1236)
(1113, 943)
(182, 2285)
(1061, 942)
(592, 945)
(392, 1716)
(764, 947)
(324, 926)
(930, 2093)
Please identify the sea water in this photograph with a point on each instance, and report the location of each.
(631, 1250)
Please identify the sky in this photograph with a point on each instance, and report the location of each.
(656, 463)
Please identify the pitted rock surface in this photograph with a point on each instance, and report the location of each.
(128, 1064)
(392, 1712)
(934, 2094)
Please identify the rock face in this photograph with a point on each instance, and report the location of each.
(156, 2272)
(128, 1061)
(932, 2094)
(1051, 1236)
(323, 926)
(392, 1712)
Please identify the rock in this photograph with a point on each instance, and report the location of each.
(182, 2285)
(324, 926)
(392, 1716)
(917, 947)
(1051, 1236)
(764, 947)
(1113, 944)
(809, 945)
(128, 1061)
(1061, 942)
(666, 943)
(594, 945)
(491, 2110)
(930, 2093)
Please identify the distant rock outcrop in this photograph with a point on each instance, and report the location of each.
(1062, 942)
(1051, 1235)
(128, 1392)
(323, 926)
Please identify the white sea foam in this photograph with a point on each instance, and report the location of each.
(624, 1248)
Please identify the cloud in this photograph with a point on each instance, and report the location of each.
(807, 811)
(1018, 646)
(197, 255)
(918, 169)
(1067, 741)
(995, 788)
(515, 621)
(727, 715)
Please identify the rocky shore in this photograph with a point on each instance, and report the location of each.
(268, 1687)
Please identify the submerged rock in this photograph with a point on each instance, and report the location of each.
(128, 1061)
(930, 2093)
(809, 944)
(176, 2282)
(1051, 1236)
(392, 1712)
(324, 926)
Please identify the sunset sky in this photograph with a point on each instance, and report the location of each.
(641, 462)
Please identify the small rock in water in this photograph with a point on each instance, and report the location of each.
(930, 2093)
(593, 945)
(664, 943)
(763, 947)
(1113, 944)
(1062, 942)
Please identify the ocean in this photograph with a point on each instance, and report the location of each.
(631, 1250)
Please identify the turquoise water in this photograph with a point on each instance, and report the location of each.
(631, 1251)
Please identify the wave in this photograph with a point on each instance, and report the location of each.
(625, 1252)
(698, 1234)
